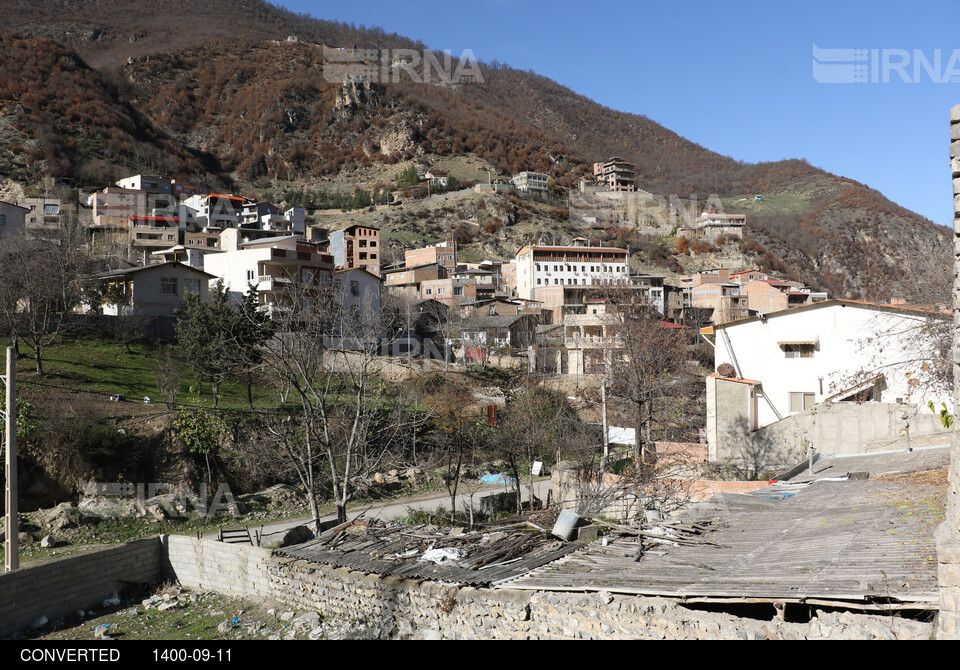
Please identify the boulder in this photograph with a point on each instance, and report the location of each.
(297, 535)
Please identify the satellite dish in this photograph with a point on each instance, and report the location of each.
(727, 370)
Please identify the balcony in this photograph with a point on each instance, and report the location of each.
(273, 282)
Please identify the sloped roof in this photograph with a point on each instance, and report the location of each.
(133, 271)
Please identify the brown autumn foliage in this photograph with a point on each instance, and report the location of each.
(229, 95)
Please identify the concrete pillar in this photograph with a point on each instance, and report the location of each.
(948, 534)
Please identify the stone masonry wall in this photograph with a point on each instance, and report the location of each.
(62, 587)
(409, 608)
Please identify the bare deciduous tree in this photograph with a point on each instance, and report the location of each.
(648, 365)
(39, 286)
(326, 353)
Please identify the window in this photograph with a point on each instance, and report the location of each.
(493, 310)
(191, 286)
(168, 285)
(355, 288)
(800, 402)
(798, 350)
(250, 275)
(428, 291)
(458, 290)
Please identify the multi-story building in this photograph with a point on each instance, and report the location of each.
(406, 281)
(217, 210)
(44, 219)
(530, 182)
(275, 266)
(113, 207)
(442, 253)
(356, 247)
(150, 233)
(546, 266)
(616, 174)
(769, 295)
(711, 225)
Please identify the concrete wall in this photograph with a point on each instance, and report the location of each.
(835, 428)
(79, 582)
(233, 569)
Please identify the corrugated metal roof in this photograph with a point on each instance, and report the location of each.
(485, 558)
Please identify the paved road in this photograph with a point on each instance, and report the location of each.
(274, 532)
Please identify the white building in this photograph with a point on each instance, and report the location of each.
(273, 265)
(578, 265)
(530, 182)
(788, 363)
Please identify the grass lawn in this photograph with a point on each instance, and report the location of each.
(104, 367)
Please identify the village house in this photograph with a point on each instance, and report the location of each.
(452, 291)
(483, 336)
(153, 290)
(12, 220)
(357, 297)
(217, 210)
(406, 281)
(711, 225)
(770, 295)
(44, 219)
(879, 362)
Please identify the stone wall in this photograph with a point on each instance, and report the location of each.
(397, 607)
(410, 608)
(79, 582)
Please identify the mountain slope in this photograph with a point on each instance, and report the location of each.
(207, 89)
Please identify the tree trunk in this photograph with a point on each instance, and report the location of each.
(314, 512)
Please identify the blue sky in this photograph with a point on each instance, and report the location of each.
(735, 77)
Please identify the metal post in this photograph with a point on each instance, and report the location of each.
(12, 541)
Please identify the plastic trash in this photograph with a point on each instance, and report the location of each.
(565, 524)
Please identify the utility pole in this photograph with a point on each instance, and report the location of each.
(11, 543)
(606, 427)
